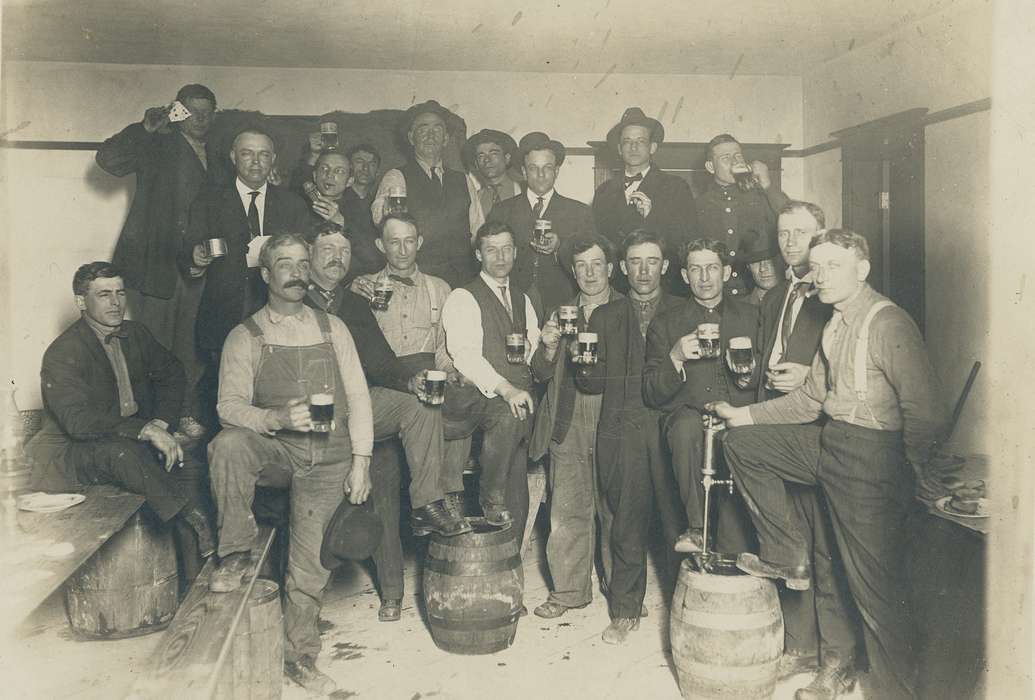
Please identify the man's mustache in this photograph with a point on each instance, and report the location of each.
(334, 263)
(296, 283)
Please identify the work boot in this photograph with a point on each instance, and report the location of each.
(232, 568)
(619, 629)
(196, 518)
(306, 674)
(794, 664)
(390, 611)
(454, 502)
(797, 578)
(833, 680)
(690, 541)
(435, 518)
(551, 609)
(497, 515)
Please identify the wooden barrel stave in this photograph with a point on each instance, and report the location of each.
(255, 667)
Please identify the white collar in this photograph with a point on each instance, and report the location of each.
(533, 198)
(494, 284)
(244, 190)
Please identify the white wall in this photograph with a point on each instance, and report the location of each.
(62, 210)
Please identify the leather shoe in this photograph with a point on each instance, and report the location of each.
(497, 516)
(832, 681)
(794, 664)
(390, 611)
(227, 576)
(199, 523)
(619, 629)
(306, 674)
(797, 578)
(454, 503)
(690, 541)
(435, 518)
(551, 609)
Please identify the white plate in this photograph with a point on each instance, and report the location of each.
(40, 502)
(983, 511)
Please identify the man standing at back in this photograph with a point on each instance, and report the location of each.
(488, 157)
(173, 163)
(436, 196)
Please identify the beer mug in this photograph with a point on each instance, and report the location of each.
(586, 349)
(215, 247)
(740, 358)
(396, 200)
(743, 175)
(310, 189)
(708, 340)
(434, 387)
(382, 295)
(568, 319)
(516, 348)
(320, 384)
(329, 134)
(540, 231)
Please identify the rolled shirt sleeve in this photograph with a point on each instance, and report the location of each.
(393, 178)
(361, 415)
(460, 318)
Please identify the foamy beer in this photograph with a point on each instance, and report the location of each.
(541, 229)
(396, 200)
(321, 411)
(586, 349)
(516, 348)
(743, 176)
(434, 387)
(382, 295)
(329, 134)
(310, 189)
(568, 317)
(708, 340)
(742, 359)
(215, 247)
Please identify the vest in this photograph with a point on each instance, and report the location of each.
(443, 220)
(496, 326)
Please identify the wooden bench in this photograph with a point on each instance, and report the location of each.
(194, 649)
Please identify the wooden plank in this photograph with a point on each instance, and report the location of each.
(187, 661)
(41, 550)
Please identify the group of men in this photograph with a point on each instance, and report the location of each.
(229, 345)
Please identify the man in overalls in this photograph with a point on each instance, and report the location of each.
(272, 365)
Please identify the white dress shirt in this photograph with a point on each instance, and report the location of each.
(246, 200)
(533, 199)
(633, 186)
(464, 337)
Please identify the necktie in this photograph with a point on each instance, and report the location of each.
(635, 178)
(537, 210)
(402, 280)
(435, 177)
(797, 292)
(506, 301)
(495, 194)
(253, 216)
(117, 333)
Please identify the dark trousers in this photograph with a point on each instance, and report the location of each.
(385, 477)
(868, 488)
(637, 482)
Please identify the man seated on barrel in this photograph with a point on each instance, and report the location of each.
(400, 410)
(296, 415)
(687, 366)
(873, 382)
(111, 393)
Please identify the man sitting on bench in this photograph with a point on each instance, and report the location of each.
(110, 394)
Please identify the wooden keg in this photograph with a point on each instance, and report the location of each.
(472, 589)
(727, 635)
(129, 587)
(255, 668)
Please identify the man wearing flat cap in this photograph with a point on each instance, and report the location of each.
(645, 196)
(488, 157)
(436, 196)
(536, 267)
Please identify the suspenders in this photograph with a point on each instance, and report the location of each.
(862, 346)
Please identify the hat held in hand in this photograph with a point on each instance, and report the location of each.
(354, 532)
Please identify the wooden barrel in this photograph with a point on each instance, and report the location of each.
(727, 636)
(472, 589)
(255, 668)
(129, 587)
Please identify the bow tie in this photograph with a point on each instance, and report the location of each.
(635, 178)
(118, 333)
(404, 280)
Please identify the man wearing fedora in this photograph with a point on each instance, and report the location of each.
(644, 196)
(536, 268)
(489, 156)
(436, 196)
(766, 268)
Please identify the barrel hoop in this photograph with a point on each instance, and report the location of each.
(467, 625)
(472, 569)
(158, 583)
(726, 621)
(760, 672)
(724, 584)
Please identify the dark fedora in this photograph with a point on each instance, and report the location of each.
(538, 141)
(756, 248)
(504, 141)
(634, 116)
(354, 532)
(431, 106)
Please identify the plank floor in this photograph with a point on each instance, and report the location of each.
(562, 658)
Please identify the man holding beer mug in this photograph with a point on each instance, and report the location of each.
(692, 358)
(277, 368)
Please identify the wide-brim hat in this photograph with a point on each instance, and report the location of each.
(504, 141)
(634, 116)
(354, 532)
(756, 247)
(429, 107)
(538, 141)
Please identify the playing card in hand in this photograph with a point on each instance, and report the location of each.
(178, 113)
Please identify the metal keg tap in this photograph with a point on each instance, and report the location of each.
(712, 425)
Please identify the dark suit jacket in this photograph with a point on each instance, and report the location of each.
(569, 218)
(169, 178)
(673, 216)
(706, 380)
(219, 213)
(805, 337)
(618, 375)
(81, 397)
